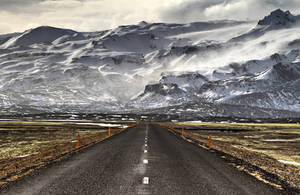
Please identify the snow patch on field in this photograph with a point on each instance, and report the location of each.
(289, 162)
(193, 121)
(104, 125)
(25, 155)
(279, 140)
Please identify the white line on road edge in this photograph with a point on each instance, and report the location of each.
(145, 151)
(145, 161)
(146, 180)
(146, 145)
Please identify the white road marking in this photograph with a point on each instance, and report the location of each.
(146, 180)
(145, 161)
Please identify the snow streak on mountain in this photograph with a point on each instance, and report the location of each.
(155, 65)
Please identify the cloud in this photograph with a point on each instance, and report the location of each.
(93, 15)
(81, 15)
(196, 10)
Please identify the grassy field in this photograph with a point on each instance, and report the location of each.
(241, 126)
(271, 147)
(280, 141)
(25, 146)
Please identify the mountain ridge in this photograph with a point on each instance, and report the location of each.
(154, 65)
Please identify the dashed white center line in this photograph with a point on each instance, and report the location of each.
(145, 161)
(146, 180)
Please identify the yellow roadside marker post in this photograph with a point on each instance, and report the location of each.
(182, 132)
(210, 142)
(109, 131)
(78, 141)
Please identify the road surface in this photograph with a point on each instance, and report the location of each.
(146, 159)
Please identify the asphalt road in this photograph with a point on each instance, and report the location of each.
(146, 159)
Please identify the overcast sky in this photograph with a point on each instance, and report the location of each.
(93, 15)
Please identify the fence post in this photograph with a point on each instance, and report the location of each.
(182, 132)
(109, 131)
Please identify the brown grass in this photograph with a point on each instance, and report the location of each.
(26, 147)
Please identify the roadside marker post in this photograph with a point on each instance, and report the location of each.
(182, 132)
(78, 141)
(210, 142)
(109, 131)
(146, 180)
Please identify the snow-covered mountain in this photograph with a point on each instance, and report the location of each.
(275, 21)
(43, 34)
(154, 65)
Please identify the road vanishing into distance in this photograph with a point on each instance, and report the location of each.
(146, 159)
